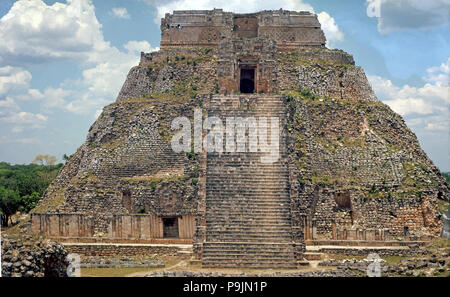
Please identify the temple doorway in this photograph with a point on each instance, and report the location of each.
(170, 227)
(247, 84)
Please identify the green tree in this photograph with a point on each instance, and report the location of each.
(29, 181)
(9, 204)
(28, 202)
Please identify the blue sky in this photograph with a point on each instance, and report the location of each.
(62, 61)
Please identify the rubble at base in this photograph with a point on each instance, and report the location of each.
(33, 257)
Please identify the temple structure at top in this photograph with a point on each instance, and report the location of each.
(206, 28)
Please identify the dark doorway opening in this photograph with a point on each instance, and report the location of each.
(247, 80)
(405, 230)
(170, 227)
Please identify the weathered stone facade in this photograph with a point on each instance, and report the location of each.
(348, 162)
(206, 28)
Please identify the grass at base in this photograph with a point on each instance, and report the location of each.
(111, 272)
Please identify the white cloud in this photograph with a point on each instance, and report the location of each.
(102, 82)
(438, 126)
(427, 106)
(406, 100)
(33, 32)
(9, 140)
(329, 27)
(7, 105)
(136, 47)
(331, 30)
(13, 79)
(439, 74)
(98, 85)
(24, 119)
(395, 15)
(120, 12)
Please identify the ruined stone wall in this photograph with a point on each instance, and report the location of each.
(393, 215)
(27, 256)
(108, 250)
(173, 72)
(122, 226)
(128, 154)
(62, 225)
(340, 138)
(361, 234)
(365, 149)
(147, 227)
(195, 28)
(326, 73)
(290, 29)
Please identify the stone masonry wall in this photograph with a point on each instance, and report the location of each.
(127, 165)
(342, 147)
(124, 226)
(194, 28)
(26, 256)
(339, 138)
(62, 225)
(96, 250)
(326, 73)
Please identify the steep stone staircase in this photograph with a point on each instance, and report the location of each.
(247, 202)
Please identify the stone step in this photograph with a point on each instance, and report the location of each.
(252, 184)
(237, 190)
(246, 158)
(249, 255)
(268, 221)
(250, 215)
(245, 195)
(253, 203)
(270, 108)
(248, 227)
(253, 239)
(249, 235)
(273, 255)
(242, 258)
(247, 216)
(245, 173)
(250, 265)
(248, 201)
(310, 256)
(250, 208)
(239, 219)
(245, 112)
